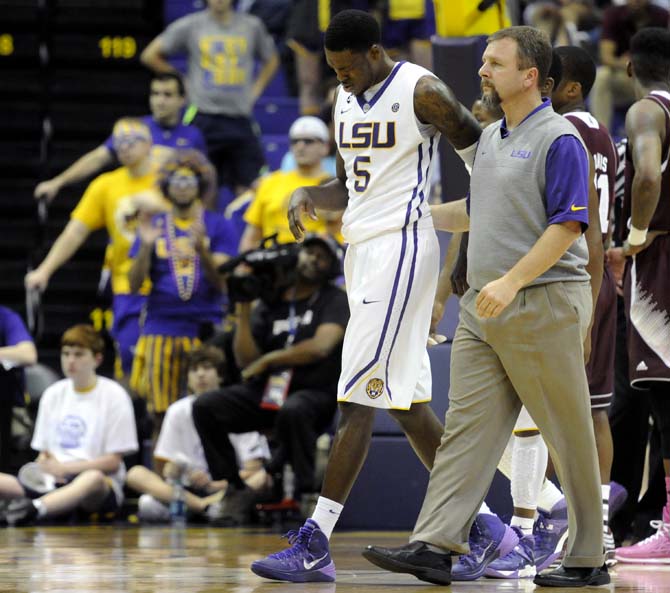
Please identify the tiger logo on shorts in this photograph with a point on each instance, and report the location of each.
(374, 388)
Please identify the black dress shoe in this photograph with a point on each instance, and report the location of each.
(573, 576)
(414, 558)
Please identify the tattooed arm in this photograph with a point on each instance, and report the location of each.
(435, 103)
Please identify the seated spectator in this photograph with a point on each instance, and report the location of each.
(289, 350)
(16, 351)
(613, 87)
(266, 214)
(167, 97)
(179, 445)
(179, 251)
(85, 426)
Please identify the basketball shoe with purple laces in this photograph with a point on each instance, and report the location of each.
(551, 532)
(489, 539)
(307, 560)
(517, 564)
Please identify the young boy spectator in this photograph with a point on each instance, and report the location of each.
(179, 445)
(85, 425)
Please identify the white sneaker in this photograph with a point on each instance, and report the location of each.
(150, 509)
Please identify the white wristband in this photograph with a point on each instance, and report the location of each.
(637, 236)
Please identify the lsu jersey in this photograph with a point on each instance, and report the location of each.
(387, 154)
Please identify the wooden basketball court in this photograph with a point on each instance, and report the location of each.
(210, 560)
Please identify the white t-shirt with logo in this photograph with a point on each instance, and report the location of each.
(81, 426)
(179, 439)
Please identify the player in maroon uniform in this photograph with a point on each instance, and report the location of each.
(568, 99)
(647, 278)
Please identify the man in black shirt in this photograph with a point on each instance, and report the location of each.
(290, 353)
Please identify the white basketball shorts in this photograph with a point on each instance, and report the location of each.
(391, 281)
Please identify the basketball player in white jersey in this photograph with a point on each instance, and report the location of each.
(388, 119)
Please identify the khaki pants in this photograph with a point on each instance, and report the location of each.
(532, 354)
(611, 88)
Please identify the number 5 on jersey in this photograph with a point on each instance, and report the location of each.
(362, 174)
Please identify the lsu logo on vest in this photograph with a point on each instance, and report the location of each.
(372, 134)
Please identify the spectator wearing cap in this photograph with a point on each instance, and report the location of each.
(266, 214)
(111, 202)
(289, 351)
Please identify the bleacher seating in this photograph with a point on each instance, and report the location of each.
(69, 68)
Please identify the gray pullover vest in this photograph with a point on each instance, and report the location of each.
(508, 205)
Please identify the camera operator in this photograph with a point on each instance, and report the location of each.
(289, 349)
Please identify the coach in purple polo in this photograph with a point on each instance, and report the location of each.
(522, 323)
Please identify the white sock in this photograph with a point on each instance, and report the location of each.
(484, 509)
(326, 514)
(549, 496)
(505, 463)
(529, 464)
(523, 523)
(605, 489)
(41, 509)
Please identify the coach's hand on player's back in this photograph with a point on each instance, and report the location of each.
(494, 298)
(299, 204)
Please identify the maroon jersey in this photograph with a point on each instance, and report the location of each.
(660, 221)
(600, 145)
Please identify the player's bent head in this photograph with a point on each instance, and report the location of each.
(650, 55)
(579, 70)
(353, 30)
(533, 49)
(353, 50)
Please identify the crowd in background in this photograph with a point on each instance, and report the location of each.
(237, 370)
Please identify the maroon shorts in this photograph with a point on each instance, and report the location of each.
(600, 368)
(647, 298)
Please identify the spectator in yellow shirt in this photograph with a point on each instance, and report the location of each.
(267, 213)
(110, 202)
